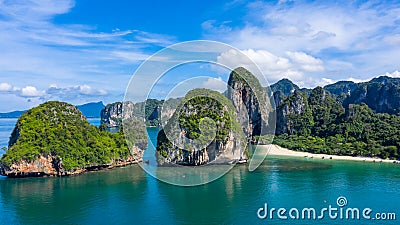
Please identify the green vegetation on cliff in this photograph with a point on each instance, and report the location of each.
(205, 103)
(59, 129)
(329, 128)
(203, 115)
(285, 86)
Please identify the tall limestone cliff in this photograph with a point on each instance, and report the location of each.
(202, 130)
(341, 89)
(250, 101)
(292, 112)
(112, 114)
(325, 110)
(300, 115)
(381, 94)
(152, 110)
(286, 86)
(55, 139)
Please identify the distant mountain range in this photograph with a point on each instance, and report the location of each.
(381, 94)
(92, 109)
(13, 114)
(89, 110)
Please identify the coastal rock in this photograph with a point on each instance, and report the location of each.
(55, 139)
(112, 114)
(51, 166)
(151, 111)
(250, 101)
(187, 144)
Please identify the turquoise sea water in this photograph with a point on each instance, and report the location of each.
(130, 196)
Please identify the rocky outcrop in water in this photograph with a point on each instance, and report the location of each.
(52, 166)
(55, 139)
(247, 109)
(112, 114)
(151, 111)
(183, 140)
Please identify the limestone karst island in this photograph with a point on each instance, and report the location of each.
(341, 119)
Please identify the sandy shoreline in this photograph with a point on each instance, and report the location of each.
(280, 151)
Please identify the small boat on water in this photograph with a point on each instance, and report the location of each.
(241, 161)
(238, 161)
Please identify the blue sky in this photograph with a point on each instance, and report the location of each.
(81, 51)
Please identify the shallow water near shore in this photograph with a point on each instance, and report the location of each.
(131, 196)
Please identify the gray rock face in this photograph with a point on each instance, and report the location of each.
(251, 114)
(380, 94)
(112, 114)
(216, 152)
(278, 98)
(50, 166)
(62, 122)
(294, 104)
(186, 145)
(286, 86)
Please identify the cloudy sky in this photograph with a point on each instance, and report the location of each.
(82, 51)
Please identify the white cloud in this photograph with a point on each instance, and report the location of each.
(130, 56)
(268, 63)
(36, 50)
(216, 84)
(395, 74)
(87, 90)
(5, 87)
(31, 91)
(362, 35)
(30, 96)
(306, 62)
(326, 81)
(293, 65)
(357, 80)
(35, 10)
(54, 92)
(267, 60)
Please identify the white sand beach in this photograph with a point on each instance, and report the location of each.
(277, 150)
